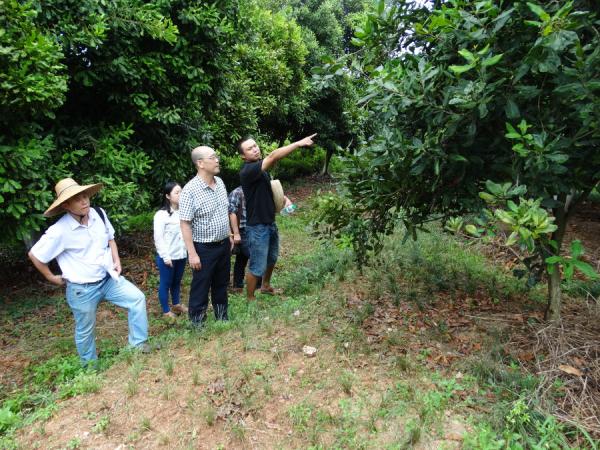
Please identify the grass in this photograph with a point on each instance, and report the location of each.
(354, 394)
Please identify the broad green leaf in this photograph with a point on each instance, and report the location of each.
(512, 110)
(576, 249)
(586, 269)
(461, 69)
(484, 50)
(513, 238)
(492, 61)
(467, 55)
(472, 229)
(538, 11)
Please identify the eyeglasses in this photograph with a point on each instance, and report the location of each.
(213, 157)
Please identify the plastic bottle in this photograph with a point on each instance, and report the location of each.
(288, 210)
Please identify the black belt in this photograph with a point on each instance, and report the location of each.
(214, 244)
(93, 282)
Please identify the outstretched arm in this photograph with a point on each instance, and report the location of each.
(282, 152)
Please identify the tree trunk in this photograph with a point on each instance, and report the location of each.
(554, 292)
(554, 295)
(328, 155)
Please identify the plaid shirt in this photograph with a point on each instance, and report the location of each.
(206, 209)
(237, 205)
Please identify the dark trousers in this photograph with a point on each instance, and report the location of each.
(241, 260)
(213, 276)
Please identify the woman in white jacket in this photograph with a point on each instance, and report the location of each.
(171, 254)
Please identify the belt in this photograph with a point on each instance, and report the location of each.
(92, 283)
(214, 244)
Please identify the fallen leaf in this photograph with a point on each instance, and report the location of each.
(526, 356)
(570, 370)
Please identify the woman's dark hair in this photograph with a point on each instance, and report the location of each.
(167, 191)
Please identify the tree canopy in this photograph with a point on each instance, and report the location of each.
(468, 93)
(119, 91)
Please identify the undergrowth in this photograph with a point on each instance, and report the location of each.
(410, 410)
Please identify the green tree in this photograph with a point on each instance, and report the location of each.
(118, 91)
(469, 92)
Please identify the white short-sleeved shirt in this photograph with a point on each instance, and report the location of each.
(82, 251)
(167, 235)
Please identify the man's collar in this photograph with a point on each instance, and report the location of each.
(74, 223)
(203, 183)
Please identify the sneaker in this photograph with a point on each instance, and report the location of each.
(179, 309)
(144, 348)
(169, 316)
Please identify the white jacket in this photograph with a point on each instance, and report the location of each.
(167, 236)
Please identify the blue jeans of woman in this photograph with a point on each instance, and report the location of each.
(84, 299)
(169, 281)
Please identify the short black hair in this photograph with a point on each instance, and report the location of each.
(241, 141)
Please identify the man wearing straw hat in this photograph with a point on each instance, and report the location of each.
(261, 230)
(82, 241)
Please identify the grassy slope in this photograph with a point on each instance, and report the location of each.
(246, 383)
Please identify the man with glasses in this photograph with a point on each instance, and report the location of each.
(203, 211)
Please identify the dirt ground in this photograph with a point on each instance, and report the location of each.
(245, 403)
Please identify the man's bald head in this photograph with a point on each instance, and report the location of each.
(200, 153)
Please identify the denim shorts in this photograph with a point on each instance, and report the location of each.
(263, 242)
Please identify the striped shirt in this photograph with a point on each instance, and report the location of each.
(206, 208)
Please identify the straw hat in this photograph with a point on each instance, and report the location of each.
(277, 195)
(68, 188)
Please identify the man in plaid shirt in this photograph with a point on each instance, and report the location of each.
(203, 211)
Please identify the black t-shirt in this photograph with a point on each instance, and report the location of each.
(256, 185)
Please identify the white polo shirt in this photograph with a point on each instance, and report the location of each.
(82, 251)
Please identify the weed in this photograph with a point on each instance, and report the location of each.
(300, 415)
(168, 364)
(347, 380)
(163, 439)
(7, 419)
(210, 415)
(145, 424)
(74, 443)
(132, 388)
(83, 383)
(237, 430)
(267, 388)
(413, 429)
(364, 312)
(102, 425)
(167, 391)
(135, 368)
(402, 363)
(196, 376)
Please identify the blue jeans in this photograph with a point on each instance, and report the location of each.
(263, 241)
(214, 277)
(241, 260)
(83, 300)
(170, 281)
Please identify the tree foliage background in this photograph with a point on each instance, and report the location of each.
(119, 91)
(470, 97)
